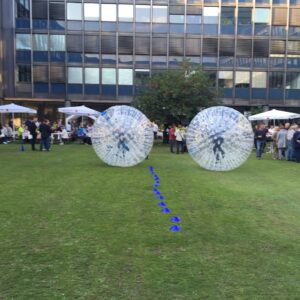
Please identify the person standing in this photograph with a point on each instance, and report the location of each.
(296, 140)
(31, 126)
(172, 138)
(180, 136)
(155, 129)
(166, 134)
(260, 140)
(289, 155)
(274, 147)
(45, 131)
(281, 141)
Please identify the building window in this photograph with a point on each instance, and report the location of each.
(210, 15)
(91, 11)
(293, 80)
(91, 76)
(74, 11)
(23, 9)
(141, 76)
(108, 76)
(259, 79)
(142, 13)
(262, 15)
(227, 20)
(160, 14)
(276, 79)
(40, 42)
(242, 79)
(108, 12)
(57, 42)
(193, 19)
(177, 19)
(24, 74)
(125, 13)
(125, 76)
(23, 41)
(226, 79)
(74, 75)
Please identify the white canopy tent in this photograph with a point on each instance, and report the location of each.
(78, 111)
(274, 114)
(13, 109)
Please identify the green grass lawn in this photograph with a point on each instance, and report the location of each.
(72, 227)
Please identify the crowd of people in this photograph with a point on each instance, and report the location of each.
(32, 131)
(284, 141)
(174, 135)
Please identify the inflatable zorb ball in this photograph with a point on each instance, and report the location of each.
(122, 136)
(219, 138)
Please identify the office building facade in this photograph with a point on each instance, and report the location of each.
(97, 52)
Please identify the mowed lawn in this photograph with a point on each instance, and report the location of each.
(72, 227)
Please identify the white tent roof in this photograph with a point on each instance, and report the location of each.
(13, 108)
(79, 111)
(274, 114)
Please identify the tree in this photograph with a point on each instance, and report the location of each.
(175, 94)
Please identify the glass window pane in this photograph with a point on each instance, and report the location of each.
(40, 42)
(193, 19)
(141, 76)
(23, 41)
(160, 14)
(226, 79)
(109, 59)
(108, 12)
(23, 10)
(227, 15)
(91, 11)
(74, 11)
(142, 13)
(242, 79)
(24, 73)
(177, 19)
(259, 79)
(293, 80)
(74, 75)
(262, 15)
(276, 79)
(125, 13)
(57, 42)
(245, 15)
(210, 15)
(91, 75)
(125, 76)
(108, 76)
(126, 60)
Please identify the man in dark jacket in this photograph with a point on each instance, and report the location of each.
(260, 138)
(32, 130)
(45, 131)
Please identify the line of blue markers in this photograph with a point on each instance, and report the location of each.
(161, 198)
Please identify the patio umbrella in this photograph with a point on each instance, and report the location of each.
(79, 111)
(274, 114)
(13, 108)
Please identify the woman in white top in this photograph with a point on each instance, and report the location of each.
(180, 138)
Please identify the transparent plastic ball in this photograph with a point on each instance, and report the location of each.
(219, 138)
(122, 136)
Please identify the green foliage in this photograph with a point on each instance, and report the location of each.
(176, 94)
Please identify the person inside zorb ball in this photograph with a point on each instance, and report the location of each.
(122, 136)
(219, 138)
